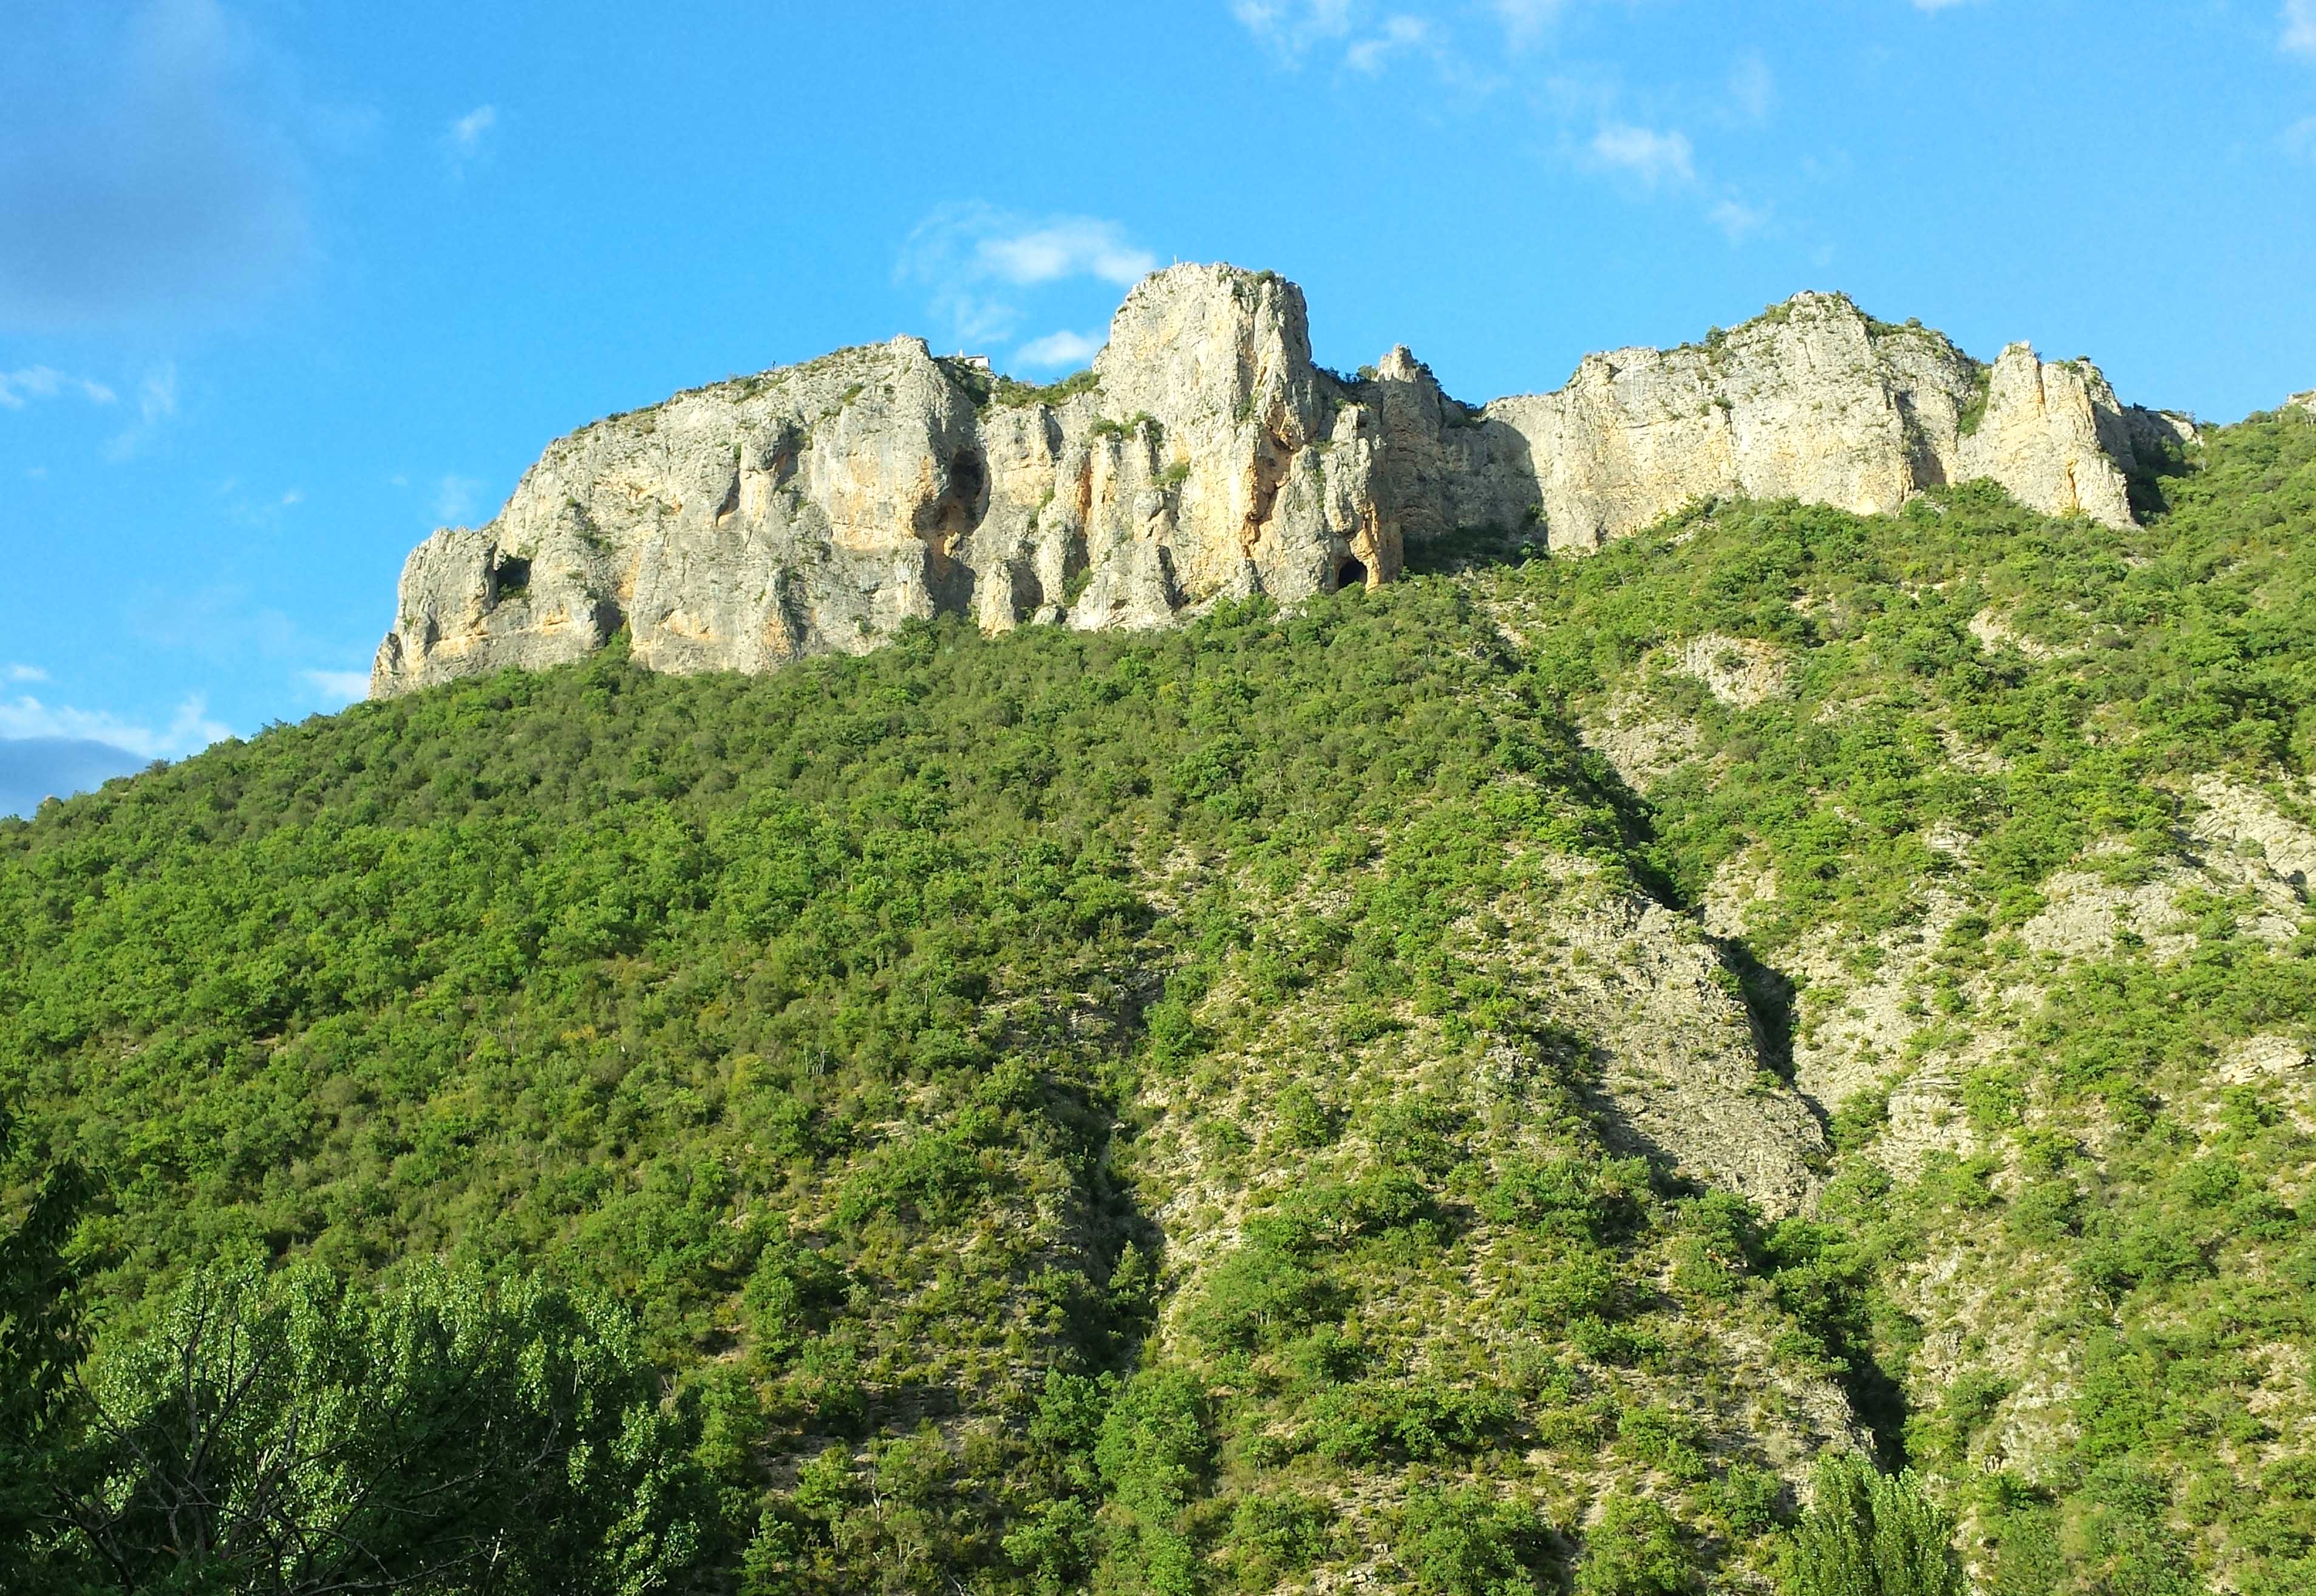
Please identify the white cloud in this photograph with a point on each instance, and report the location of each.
(338, 687)
(24, 673)
(2299, 20)
(456, 499)
(252, 510)
(1597, 120)
(1071, 246)
(46, 382)
(1367, 56)
(1736, 218)
(974, 259)
(1751, 87)
(1646, 154)
(2300, 139)
(156, 402)
(1941, 4)
(1526, 21)
(189, 731)
(466, 139)
(466, 132)
(156, 395)
(1292, 27)
(1058, 349)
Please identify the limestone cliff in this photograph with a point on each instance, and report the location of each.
(816, 508)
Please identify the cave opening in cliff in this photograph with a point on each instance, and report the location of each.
(510, 578)
(1351, 573)
(968, 481)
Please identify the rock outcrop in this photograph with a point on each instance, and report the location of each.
(1815, 400)
(816, 508)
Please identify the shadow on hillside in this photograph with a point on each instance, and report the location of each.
(1469, 549)
(1769, 995)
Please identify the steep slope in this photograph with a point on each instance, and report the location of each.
(815, 509)
(919, 1041)
(1263, 1105)
(2017, 808)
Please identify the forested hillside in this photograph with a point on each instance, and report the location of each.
(1478, 1085)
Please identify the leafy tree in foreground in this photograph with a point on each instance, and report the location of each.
(290, 1434)
(1871, 1534)
(42, 1342)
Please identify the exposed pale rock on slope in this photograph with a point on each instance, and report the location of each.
(816, 508)
(1817, 401)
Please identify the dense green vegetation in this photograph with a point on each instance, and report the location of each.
(1054, 1110)
(2124, 1199)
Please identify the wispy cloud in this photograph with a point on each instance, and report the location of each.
(1941, 4)
(1526, 22)
(456, 499)
(1362, 38)
(1072, 246)
(1292, 28)
(24, 673)
(468, 137)
(1058, 349)
(1652, 157)
(261, 508)
(17, 388)
(2299, 22)
(1736, 220)
(1508, 51)
(187, 730)
(2300, 139)
(974, 259)
(1399, 33)
(1752, 87)
(338, 689)
(156, 402)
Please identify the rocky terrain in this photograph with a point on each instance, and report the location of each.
(811, 510)
(1740, 925)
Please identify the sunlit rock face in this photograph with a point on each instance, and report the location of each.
(814, 509)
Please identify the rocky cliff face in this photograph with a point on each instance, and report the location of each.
(816, 508)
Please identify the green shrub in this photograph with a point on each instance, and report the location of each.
(1634, 1549)
(1466, 1542)
(1870, 1534)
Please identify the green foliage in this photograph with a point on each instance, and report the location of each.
(286, 1433)
(1005, 392)
(1973, 414)
(1634, 1549)
(800, 1015)
(1075, 1111)
(1871, 1534)
(1466, 1543)
(1155, 1456)
(42, 1341)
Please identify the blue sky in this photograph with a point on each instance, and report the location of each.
(284, 285)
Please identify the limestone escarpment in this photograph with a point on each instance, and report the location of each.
(816, 508)
(1817, 401)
